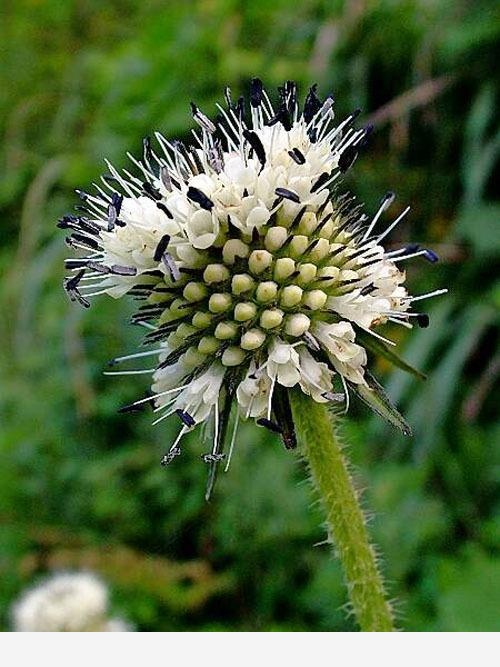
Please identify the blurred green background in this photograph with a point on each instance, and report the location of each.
(80, 485)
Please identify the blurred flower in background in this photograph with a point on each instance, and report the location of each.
(66, 602)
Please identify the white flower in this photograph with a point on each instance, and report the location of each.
(66, 602)
(253, 392)
(257, 274)
(348, 358)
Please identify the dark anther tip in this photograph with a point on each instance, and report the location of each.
(185, 418)
(287, 194)
(256, 91)
(161, 247)
(389, 196)
(200, 198)
(431, 256)
(423, 320)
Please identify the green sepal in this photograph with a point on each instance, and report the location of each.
(376, 399)
(379, 347)
(231, 382)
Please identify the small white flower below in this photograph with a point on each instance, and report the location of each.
(66, 602)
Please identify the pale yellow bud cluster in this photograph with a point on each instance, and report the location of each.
(253, 288)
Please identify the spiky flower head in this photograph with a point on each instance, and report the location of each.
(66, 602)
(256, 272)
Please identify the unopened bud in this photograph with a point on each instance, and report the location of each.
(245, 311)
(219, 302)
(252, 339)
(266, 291)
(271, 318)
(259, 261)
(297, 324)
(215, 273)
(232, 356)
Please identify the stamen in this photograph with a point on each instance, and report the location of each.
(136, 355)
(256, 144)
(376, 335)
(151, 191)
(311, 342)
(171, 265)
(147, 325)
(385, 202)
(233, 440)
(216, 156)
(146, 150)
(402, 323)
(185, 418)
(174, 450)
(200, 198)
(165, 210)
(287, 194)
(423, 320)
(346, 391)
(312, 104)
(170, 455)
(331, 396)
(123, 270)
(347, 158)
(321, 181)
(298, 218)
(165, 179)
(136, 372)
(297, 156)
(161, 247)
(213, 458)
(100, 268)
(429, 295)
(420, 253)
(72, 283)
(256, 90)
(431, 256)
(85, 241)
(394, 224)
(203, 121)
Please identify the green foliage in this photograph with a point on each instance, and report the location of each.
(80, 485)
(468, 592)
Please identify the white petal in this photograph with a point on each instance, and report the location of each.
(258, 217)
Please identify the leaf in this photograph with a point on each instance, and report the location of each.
(479, 225)
(436, 400)
(376, 398)
(469, 591)
(379, 347)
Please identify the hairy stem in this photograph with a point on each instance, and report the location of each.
(330, 475)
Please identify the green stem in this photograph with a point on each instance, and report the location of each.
(346, 521)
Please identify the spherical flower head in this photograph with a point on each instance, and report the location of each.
(256, 273)
(66, 602)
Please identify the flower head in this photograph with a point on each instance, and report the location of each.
(66, 602)
(256, 272)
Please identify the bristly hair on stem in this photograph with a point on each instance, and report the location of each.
(322, 448)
